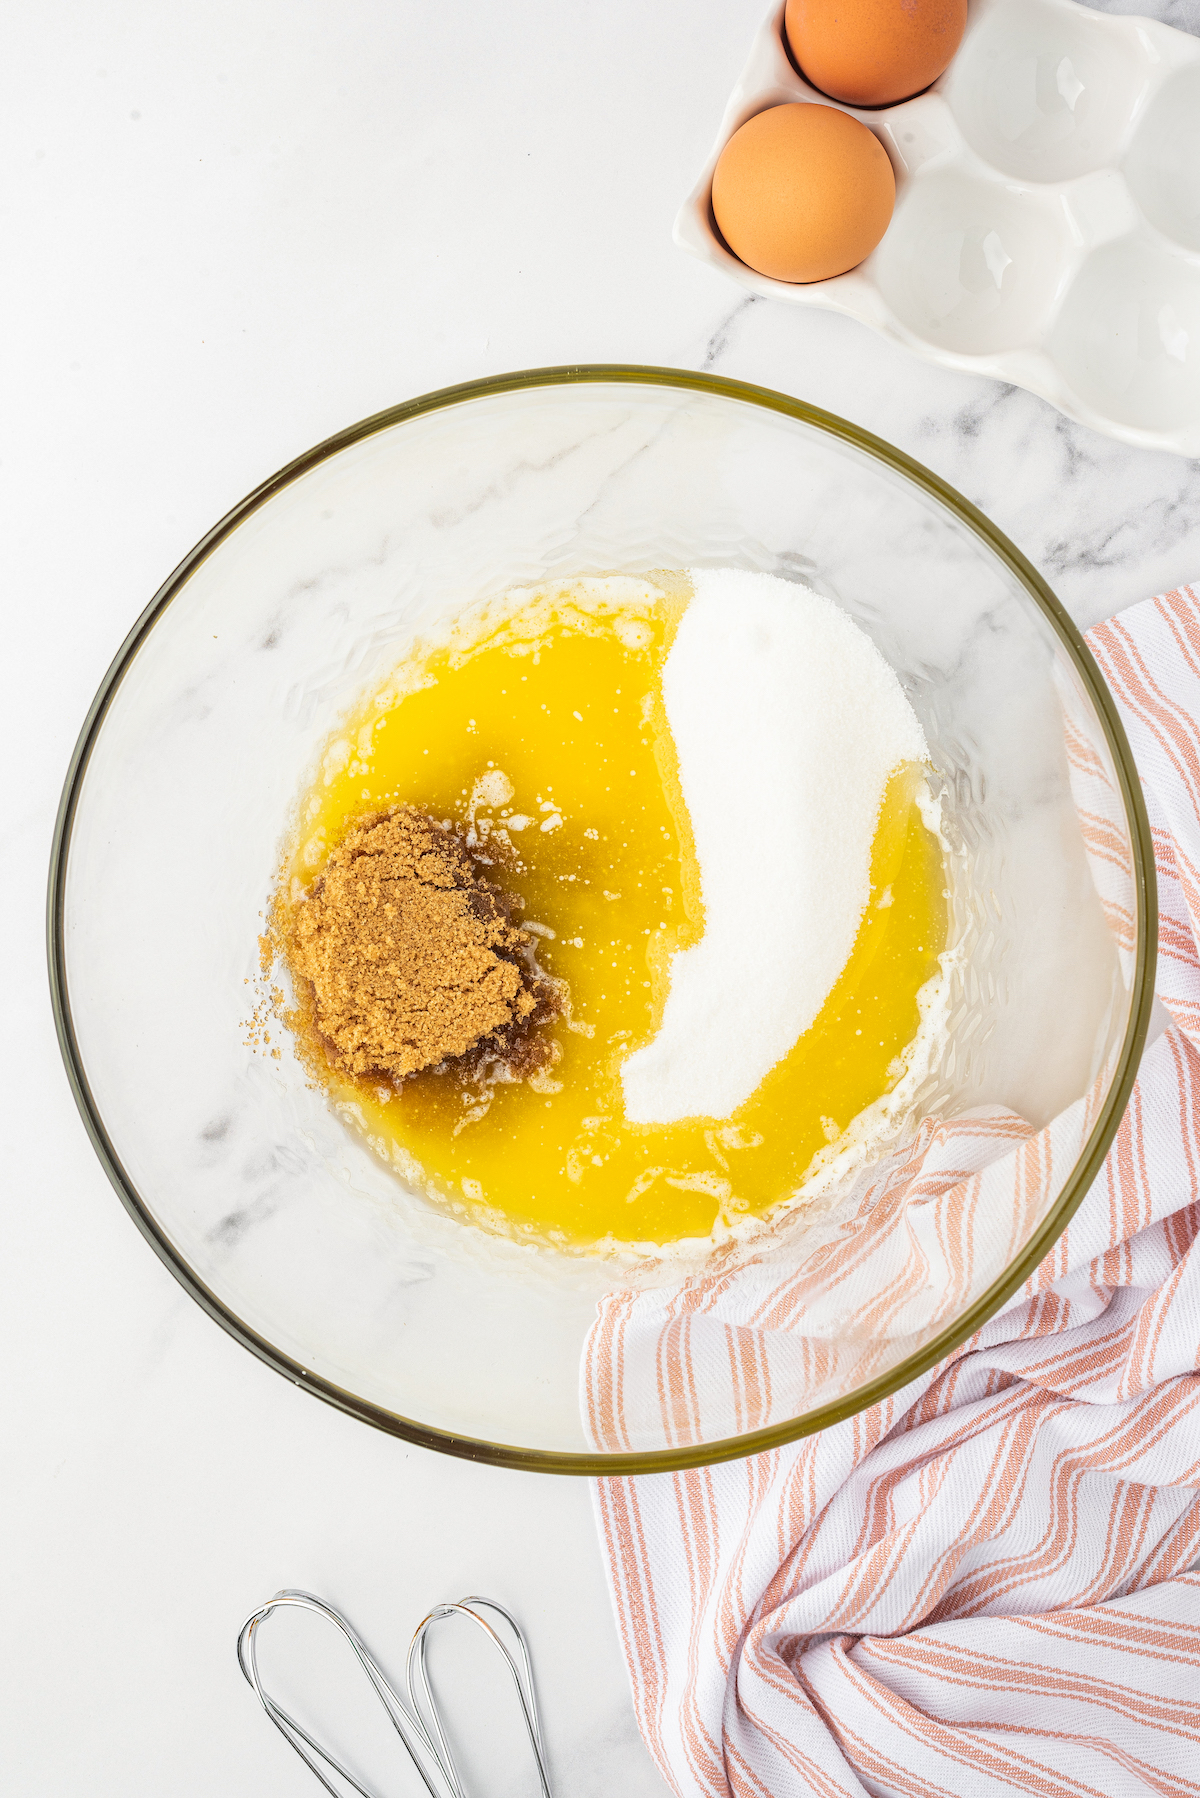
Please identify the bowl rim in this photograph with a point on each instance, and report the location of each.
(1086, 1167)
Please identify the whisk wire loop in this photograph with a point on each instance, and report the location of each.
(417, 1676)
(416, 1717)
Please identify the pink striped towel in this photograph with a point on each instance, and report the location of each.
(982, 1585)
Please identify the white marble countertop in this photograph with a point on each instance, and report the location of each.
(233, 230)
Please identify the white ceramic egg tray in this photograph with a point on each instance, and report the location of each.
(1047, 222)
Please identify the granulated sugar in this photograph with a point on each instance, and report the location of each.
(787, 724)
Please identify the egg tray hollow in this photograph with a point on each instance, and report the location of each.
(1047, 221)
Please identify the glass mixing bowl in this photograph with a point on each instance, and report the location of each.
(281, 1222)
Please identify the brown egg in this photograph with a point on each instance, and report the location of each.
(873, 52)
(803, 192)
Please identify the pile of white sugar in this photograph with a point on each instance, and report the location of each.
(787, 724)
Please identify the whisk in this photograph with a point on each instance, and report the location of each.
(416, 1719)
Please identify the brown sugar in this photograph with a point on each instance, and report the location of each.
(414, 960)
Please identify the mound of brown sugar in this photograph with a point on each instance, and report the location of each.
(413, 957)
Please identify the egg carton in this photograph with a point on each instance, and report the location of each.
(1047, 222)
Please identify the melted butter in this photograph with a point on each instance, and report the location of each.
(563, 697)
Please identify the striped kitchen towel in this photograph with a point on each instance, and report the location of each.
(980, 1586)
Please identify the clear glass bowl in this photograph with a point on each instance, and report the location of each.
(282, 1223)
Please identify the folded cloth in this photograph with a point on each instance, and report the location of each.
(981, 1585)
